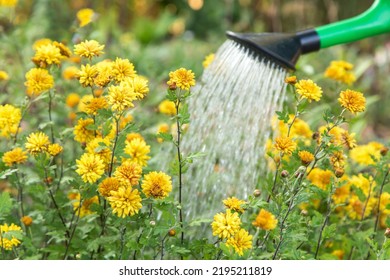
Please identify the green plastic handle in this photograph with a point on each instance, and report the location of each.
(374, 21)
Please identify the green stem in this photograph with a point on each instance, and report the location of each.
(177, 104)
(123, 232)
(295, 191)
(74, 228)
(50, 118)
(328, 212)
(379, 201)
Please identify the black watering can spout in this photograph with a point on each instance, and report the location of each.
(285, 49)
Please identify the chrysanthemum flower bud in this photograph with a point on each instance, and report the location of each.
(339, 172)
(48, 180)
(172, 232)
(387, 233)
(384, 151)
(284, 174)
(304, 212)
(173, 86)
(152, 223)
(26, 220)
(256, 193)
(292, 80)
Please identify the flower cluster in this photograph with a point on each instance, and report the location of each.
(227, 226)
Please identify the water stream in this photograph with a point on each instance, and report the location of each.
(231, 109)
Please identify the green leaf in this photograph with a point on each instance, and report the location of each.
(171, 95)
(283, 116)
(329, 231)
(4, 174)
(5, 204)
(165, 136)
(42, 126)
(184, 115)
(92, 126)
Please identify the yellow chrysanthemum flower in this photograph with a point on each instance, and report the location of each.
(363, 183)
(89, 49)
(235, 204)
(125, 120)
(292, 80)
(54, 149)
(123, 69)
(7, 234)
(265, 220)
(157, 185)
(104, 75)
(366, 154)
(342, 193)
(167, 107)
(70, 73)
(134, 135)
(90, 167)
(285, 145)
(353, 101)
(86, 204)
(208, 59)
(26, 220)
(15, 156)
(320, 178)
(226, 224)
(95, 104)
(85, 16)
(384, 203)
(139, 85)
(86, 75)
(72, 100)
(356, 207)
(164, 127)
(38, 80)
(4, 76)
(340, 71)
(309, 90)
(125, 201)
(240, 241)
(64, 50)
(306, 157)
(37, 142)
(138, 151)
(81, 133)
(8, 3)
(128, 173)
(121, 97)
(107, 185)
(348, 139)
(339, 254)
(41, 42)
(101, 147)
(337, 159)
(10, 117)
(47, 55)
(182, 78)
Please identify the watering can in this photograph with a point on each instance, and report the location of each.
(285, 49)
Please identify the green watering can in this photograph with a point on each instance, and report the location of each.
(285, 49)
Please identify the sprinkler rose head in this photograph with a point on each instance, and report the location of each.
(285, 49)
(281, 48)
